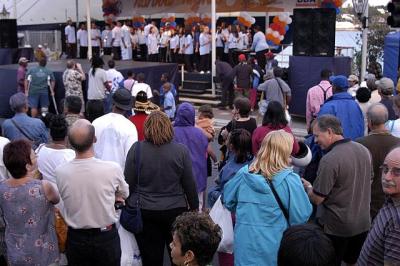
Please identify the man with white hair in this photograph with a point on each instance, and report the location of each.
(382, 246)
(353, 85)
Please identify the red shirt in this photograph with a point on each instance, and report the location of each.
(138, 121)
(262, 131)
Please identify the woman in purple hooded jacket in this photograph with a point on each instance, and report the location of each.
(194, 139)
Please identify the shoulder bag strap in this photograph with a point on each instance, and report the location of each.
(137, 164)
(21, 130)
(285, 212)
(283, 94)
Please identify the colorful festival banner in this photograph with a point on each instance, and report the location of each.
(131, 8)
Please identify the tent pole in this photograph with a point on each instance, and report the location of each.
(77, 14)
(15, 9)
(213, 44)
(364, 43)
(89, 27)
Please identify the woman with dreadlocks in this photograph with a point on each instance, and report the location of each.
(164, 183)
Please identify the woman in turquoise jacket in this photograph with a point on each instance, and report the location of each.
(260, 222)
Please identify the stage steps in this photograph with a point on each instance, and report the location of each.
(197, 89)
(200, 98)
(198, 102)
(194, 81)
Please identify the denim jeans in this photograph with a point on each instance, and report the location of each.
(93, 247)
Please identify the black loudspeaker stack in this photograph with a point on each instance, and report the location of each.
(314, 32)
(8, 33)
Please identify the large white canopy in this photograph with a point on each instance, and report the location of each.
(33, 12)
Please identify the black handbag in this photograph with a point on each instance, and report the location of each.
(131, 216)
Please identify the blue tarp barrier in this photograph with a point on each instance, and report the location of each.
(305, 72)
(391, 56)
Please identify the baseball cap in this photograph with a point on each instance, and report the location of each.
(353, 78)
(386, 85)
(242, 57)
(122, 98)
(17, 101)
(22, 60)
(339, 81)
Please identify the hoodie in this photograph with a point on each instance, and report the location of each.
(260, 222)
(194, 139)
(347, 110)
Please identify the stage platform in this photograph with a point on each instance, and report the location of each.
(152, 71)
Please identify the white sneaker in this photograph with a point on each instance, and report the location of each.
(202, 72)
(208, 71)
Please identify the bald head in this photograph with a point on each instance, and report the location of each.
(391, 173)
(377, 115)
(81, 135)
(394, 155)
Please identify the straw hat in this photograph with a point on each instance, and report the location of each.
(142, 104)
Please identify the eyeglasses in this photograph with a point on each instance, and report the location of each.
(394, 170)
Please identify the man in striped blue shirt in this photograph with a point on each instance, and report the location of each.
(382, 246)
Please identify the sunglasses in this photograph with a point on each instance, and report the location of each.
(395, 171)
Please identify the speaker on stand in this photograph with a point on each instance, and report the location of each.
(8, 33)
(314, 32)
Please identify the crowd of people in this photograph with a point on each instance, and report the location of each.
(129, 163)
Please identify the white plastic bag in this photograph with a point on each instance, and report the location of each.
(221, 216)
(130, 254)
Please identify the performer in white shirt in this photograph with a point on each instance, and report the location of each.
(126, 50)
(204, 49)
(142, 44)
(164, 40)
(135, 43)
(70, 38)
(152, 45)
(106, 38)
(181, 46)
(117, 40)
(174, 46)
(82, 37)
(96, 39)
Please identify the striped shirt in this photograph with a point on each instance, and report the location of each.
(383, 242)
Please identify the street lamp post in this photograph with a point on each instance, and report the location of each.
(213, 44)
(361, 9)
(4, 14)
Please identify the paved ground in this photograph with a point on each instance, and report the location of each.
(222, 118)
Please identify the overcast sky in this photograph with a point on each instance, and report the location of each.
(371, 2)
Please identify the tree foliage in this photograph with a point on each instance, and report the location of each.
(377, 30)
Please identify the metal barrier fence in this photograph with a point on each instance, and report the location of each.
(34, 38)
(287, 50)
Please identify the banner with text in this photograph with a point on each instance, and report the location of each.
(130, 8)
